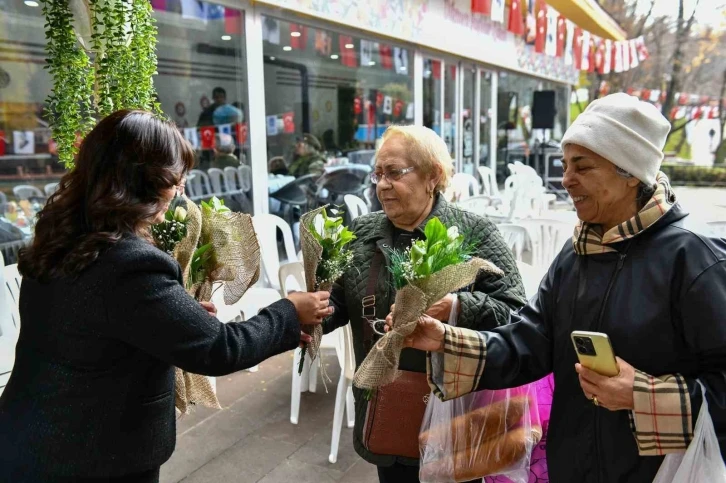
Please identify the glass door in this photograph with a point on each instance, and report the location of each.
(467, 119)
(484, 138)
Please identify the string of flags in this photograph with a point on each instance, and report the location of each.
(552, 34)
(688, 106)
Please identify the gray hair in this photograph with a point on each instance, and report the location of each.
(645, 191)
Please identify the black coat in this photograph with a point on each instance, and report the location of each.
(664, 315)
(92, 389)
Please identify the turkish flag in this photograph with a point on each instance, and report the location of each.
(241, 129)
(713, 113)
(674, 112)
(298, 42)
(386, 56)
(397, 108)
(483, 7)
(347, 56)
(683, 99)
(600, 57)
(207, 135)
(288, 120)
(2, 143)
(591, 56)
(516, 22)
(540, 38)
(357, 106)
(645, 94)
(561, 35)
(436, 68)
(232, 21)
(578, 48)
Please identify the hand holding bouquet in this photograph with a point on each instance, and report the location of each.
(423, 274)
(323, 240)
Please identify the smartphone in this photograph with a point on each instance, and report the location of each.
(595, 352)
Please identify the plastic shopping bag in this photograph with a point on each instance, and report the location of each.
(538, 472)
(480, 434)
(702, 460)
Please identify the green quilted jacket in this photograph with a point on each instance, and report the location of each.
(484, 305)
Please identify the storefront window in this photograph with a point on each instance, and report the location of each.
(432, 95)
(201, 86)
(329, 97)
(450, 93)
(468, 73)
(485, 106)
(514, 116)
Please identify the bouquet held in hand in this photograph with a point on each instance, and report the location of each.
(423, 274)
(325, 257)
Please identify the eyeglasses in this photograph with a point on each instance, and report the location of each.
(391, 175)
(180, 188)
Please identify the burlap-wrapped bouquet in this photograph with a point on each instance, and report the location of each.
(444, 258)
(322, 240)
(219, 246)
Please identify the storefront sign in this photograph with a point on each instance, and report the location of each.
(431, 23)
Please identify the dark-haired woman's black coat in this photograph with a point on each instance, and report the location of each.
(92, 390)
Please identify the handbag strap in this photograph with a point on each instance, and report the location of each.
(369, 301)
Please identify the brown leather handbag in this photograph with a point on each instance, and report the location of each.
(396, 410)
(394, 416)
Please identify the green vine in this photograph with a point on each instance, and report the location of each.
(69, 103)
(123, 49)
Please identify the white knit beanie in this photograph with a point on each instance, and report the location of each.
(627, 132)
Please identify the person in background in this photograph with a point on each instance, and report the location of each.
(219, 97)
(308, 158)
(412, 169)
(640, 269)
(224, 153)
(277, 166)
(106, 318)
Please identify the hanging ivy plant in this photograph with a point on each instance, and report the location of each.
(102, 58)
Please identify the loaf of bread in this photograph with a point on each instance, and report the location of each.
(491, 457)
(477, 425)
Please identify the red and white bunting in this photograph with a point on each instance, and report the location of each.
(551, 42)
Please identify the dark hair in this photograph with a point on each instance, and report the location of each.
(115, 190)
(219, 90)
(645, 191)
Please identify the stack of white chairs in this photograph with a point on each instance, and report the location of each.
(266, 227)
(465, 186)
(341, 341)
(198, 186)
(547, 239)
(531, 278)
(516, 238)
(489, 182)
(216, 178)
(355, 206)
(476, 204)
(9, 319)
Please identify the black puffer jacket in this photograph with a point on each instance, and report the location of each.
(664, 315)
(486, 305)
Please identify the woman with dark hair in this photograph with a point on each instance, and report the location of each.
(105, 318)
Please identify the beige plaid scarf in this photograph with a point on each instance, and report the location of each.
(588, 239)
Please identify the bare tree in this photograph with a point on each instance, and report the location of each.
(683, 32)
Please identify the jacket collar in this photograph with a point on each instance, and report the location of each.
(382, 228)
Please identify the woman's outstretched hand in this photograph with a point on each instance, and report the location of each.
(427, 336)
(311, 307)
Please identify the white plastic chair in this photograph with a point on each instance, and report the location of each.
(515, 236)
(198, 185)
(266, 227)
(254, 300)
(476, 204)
(718, 228)
(308, 379)
(355, 206)
(216, 178)
(465, 185)
(547, 237)
(26, 191)
(231, 180)
(50, 188)
(344, 393)
(489, 181)
(9, 319)
(245, 177)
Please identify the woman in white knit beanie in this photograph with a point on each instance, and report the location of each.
(635, 270)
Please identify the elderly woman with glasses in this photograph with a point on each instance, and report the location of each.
(412, 169)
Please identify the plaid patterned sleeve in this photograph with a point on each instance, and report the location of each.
(661, 418)
(458, 369)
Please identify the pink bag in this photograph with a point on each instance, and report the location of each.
(538, 462)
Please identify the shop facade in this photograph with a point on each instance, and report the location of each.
(260, 80)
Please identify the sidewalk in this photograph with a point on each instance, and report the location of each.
(252, 440)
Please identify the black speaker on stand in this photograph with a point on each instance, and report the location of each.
(543, 117)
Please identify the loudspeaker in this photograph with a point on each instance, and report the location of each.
(543, 110)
